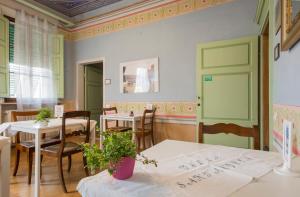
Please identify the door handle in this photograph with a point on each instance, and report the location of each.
(198, 105)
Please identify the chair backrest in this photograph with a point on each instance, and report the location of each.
(148, 119)
(110, 110)
(22, 116)
(230, 128)
(75, 114)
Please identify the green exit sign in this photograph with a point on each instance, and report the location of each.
(208, 78)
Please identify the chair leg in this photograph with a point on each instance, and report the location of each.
(41, 166)
(61, 174)
(29, 160)
(17, 162)
(84, 165)
(69, 162)
(144, 143)
(138, 144)
(152, 139)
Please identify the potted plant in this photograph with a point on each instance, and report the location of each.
(118, 155)
(43, 116)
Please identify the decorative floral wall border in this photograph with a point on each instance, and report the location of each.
(178, 110)
(171, 9)
(291, 113)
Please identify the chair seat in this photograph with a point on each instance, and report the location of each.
(70, 148)
(119, 129)
(140, 131)
(30, 144)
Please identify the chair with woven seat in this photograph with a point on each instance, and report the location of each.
(230, 128)
(28, 146)
(116, 127)
(147, 127)
(69, 148)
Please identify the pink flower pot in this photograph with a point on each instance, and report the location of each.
(124, 168)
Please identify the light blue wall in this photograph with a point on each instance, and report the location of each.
(287, 76)
(173, 40)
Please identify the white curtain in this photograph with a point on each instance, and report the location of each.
(33, 62)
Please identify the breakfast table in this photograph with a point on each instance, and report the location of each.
(193, 169)
(4, 165)
(127, 118)
(54, 125)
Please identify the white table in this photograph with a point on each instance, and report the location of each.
(4, 165)
(269, 184)
(120, 117)
(53, 126)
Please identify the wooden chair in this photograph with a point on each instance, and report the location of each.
(28, 146)
(146, 129)
(116, 128)
(67, 149)
(230, 128)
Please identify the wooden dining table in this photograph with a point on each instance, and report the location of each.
(193, 169)
(54, 125)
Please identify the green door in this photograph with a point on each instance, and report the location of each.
(227, 86)
(4, 24)
(93, 90)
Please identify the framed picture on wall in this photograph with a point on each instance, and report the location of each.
(277, 16)
(277, 52)
(139, 76)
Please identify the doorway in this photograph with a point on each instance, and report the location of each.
(93, 89)
(90, 89)
(265, 85)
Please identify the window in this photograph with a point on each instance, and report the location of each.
(12, 67)
(38, 77)
(36, 73)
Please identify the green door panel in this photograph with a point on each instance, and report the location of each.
(233, 90)
(93, 91)
(58, 64)
(4, 46)
(235, 55)
(227, 86)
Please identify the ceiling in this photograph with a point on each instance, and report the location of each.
(75, 7)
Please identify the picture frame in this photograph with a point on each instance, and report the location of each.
(277, 16)
(277, 52)
(140, 76)
(290, 24)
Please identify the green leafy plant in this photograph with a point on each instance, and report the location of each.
(92, 154)
(43, 115)
(97, 131)
(116, 145)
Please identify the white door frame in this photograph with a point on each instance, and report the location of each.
(80, 80)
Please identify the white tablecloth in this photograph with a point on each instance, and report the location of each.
(53, 125)
(4, 166)
(186, 169)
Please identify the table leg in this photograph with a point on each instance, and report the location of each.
(93, 141)
(133, 130)
(37, 164)
(102, 127)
